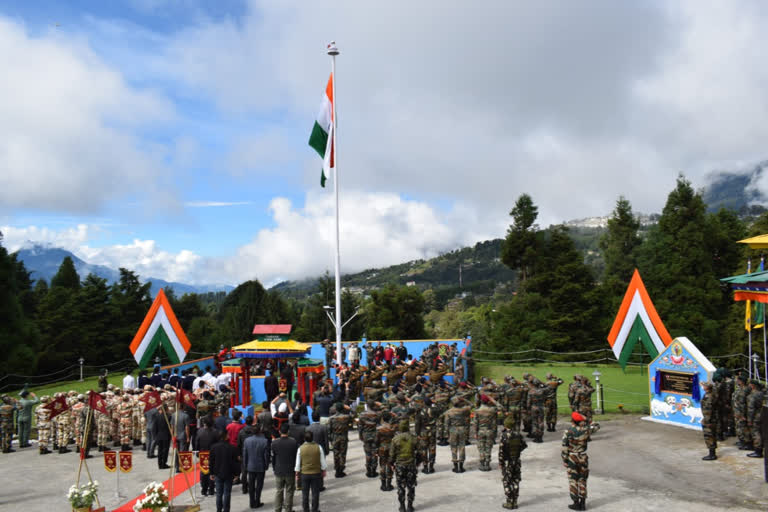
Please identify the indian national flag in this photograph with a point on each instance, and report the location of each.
(321, 138)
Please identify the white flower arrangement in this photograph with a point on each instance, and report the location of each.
(83, 496)
(155, 498)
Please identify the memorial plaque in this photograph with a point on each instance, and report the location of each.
(680, 383)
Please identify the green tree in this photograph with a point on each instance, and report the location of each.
(395, 312)
(130, 300)
(619, 247)
(521, 243)
(97, 316)
(66, 276)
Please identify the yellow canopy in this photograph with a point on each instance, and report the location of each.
(756, 242)
(273, 346)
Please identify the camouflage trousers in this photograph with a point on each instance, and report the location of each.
(385, 466)
(43, 435)
(79, 428)
(442, 432)
(510, 478)
(427, 445)
(578, 472)
(115, 428)
(62, 433)
(485, 440)
(457, 437)
(757, 438)
(137, 432)
(742, 430)
(126, 425)
(371, 455)
(710, 437)
(6, 435)
(525, 418)
(537, 420)
(103, 429)
(550, 408)
(340, 454)
(586, 411)
(406, 482)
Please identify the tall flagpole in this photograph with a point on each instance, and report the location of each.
(333, 52)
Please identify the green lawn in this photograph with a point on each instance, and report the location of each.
(89, 383)
(630, 389)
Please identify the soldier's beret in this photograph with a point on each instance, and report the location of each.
(575, 416)
(484, 399)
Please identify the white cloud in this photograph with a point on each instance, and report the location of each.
(146, 259)
(69, 125)
(212, 204)
(14, 238)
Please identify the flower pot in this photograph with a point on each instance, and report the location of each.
(81, 509)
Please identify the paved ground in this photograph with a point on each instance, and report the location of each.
(635, 466)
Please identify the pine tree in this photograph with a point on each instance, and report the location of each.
(619, 247)
(522, 241)
(66, 276)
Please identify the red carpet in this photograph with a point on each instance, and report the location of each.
(179, 487)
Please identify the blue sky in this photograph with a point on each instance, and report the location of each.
(170, 136)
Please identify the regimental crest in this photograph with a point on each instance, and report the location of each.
(110, 461)
(186, 461)
(126, 462)
(204, 458)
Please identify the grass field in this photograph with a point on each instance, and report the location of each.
(623, 392)
(89, 383)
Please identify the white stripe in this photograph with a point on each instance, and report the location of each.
(327, 159)
(160, 319)
(636, 308)
(324, 115)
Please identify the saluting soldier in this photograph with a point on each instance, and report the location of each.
(403, 453)
(43, 420)
(338, 428)
(384, 435)
(576, 461)
(367, 422)
(457, 424)
(484, 429)
(550, 402)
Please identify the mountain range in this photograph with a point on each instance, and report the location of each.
(43, 262)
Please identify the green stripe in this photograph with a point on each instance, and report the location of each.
(638, 332)
(318, 139)
(159, 340)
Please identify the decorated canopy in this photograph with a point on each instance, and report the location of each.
(752, 286)
(271, 349)
(756, 242)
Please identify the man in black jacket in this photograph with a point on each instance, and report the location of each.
(161, 435)
(205, 438)
(283, 462)
(247, 431)
(271, 387)
(224, 467)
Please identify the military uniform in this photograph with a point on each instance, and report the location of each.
(739, 407)
(512, 401)
(584, 399)
(754, 409)
(425, 425)
(43, 422)
(78, 415)
(403, 454)
(536, 401)
(442, 402)
(7, 410)
(708, 420)
(510, 447)
(576, 461)
(63, 423)
(125, 414)
(367, 422)
(550, 401)
(484, 427)
(384, 434)
(457, 424)
(338, 428)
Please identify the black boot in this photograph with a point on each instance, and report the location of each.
(55, 446)
(383, 486)
(455, 467)
(410, 506)
(583, 502)
(402, 506)
(390, 487)
(537, 439)
(746, 446)
(756, 454)
(576, 504)
(44, 451)
(431, 467)
(461, 467)
(425, 469)
(711, 455)
(64, 449)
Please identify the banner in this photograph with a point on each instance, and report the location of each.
(186, 461)
(151, 400)
(97, 402)
(57, 406)
(204, 458)
(126, 462)
(282, 385)
(110, 461)
(186, 397)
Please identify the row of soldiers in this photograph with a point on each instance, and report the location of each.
(732, 407)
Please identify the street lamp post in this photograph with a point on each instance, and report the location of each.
(81, 360)
(596, 374)
(756, 365)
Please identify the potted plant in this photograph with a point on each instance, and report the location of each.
(82, 498)
(155, 499)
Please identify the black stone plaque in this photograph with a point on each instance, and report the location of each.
(680, 383)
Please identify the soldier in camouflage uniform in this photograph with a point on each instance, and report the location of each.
(484, 430)
(384, 434)
(550, 401)
(7, 410)
(117, 401)
(63, 422)
(536, 400)
(404, 455)
(400, 411)
(717, 393)
(71, 401)
(739, 405)
(584, 399)
(708, 426)
(43, 421)
(104, 423)
(367, 422)
(573, 389)
(576, 461)
(513, 398)
(338, 428)
(79, 420)
(510, 447)
(525, 405)
(726, 405)
(425, 425)
(125, 413)
(754, 408)
(138, 435)
(457, 423)
(442, 402)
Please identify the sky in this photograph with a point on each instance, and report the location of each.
(170, 136)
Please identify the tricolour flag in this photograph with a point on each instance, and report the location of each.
(321, 138)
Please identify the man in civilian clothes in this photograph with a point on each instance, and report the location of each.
(310, 462)
(188, 381)
(247, 431)
(224, 467)
(284, 451)
(204, 440)
(320, 435)
(161, 435)
(256, 462)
